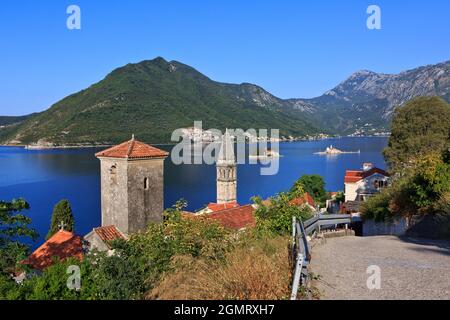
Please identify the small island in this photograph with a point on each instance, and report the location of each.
(333, 151)
(268, 154)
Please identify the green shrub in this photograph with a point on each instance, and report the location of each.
(276, 218)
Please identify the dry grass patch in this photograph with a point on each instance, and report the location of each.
(254, 270)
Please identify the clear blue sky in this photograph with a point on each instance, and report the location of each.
(295, 48)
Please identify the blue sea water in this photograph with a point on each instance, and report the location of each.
(43, 177)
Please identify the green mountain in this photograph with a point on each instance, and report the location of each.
(12, 120)
(151, 99)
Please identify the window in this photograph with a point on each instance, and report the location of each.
(113, 170)
(377, 184)
(113, 174)
(146, 186)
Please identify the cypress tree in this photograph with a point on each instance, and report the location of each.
(62, 215)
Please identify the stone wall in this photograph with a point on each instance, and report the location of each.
(146, 203)
(372, 228)
(114, 195)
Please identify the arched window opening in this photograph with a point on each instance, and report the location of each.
(146, 184)
(113, 174)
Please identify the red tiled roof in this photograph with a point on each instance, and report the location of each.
(306, 199)
(352, 176)
(132, 149)
(235, 218)
(63, 244)
(108, 234)
(214, 207)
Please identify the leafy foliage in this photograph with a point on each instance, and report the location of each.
(13, 226)
(62, 215)
(418, 155)
(314, 185)
(420, 127)
(276, 218)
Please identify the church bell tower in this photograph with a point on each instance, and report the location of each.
(132, 179)
(226, 171)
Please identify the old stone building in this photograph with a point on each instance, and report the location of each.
(132, 180)
(226, 172)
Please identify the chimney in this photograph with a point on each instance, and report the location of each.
(367, 166)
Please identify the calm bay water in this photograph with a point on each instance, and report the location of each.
(43, 177)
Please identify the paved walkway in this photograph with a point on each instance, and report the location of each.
(410, 268)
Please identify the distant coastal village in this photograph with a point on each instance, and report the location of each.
(203, 136)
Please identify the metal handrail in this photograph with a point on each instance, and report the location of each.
(301, 250)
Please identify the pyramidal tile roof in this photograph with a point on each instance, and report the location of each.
(63, 244)
(132, 149)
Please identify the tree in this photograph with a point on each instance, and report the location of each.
(314, 185)
(277, 216)
(13, 226)
(62, 215)
(340, 197)
(420, 127)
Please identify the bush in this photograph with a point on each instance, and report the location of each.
(276, 218)
(377, 207)
(314, 185)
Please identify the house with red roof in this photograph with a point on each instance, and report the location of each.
(236, 218)
(306, 199)
(362, 184)
(101, 238)
(62, 245)
(215, 207)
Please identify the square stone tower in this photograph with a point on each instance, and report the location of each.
(132, 185)
(226, 172)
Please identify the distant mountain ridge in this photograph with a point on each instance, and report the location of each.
(367, 100)
(154, 97)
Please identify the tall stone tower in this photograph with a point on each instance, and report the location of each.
(132, 181)
(226, 171)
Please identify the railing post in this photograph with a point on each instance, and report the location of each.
(297, 275)
(294, 221)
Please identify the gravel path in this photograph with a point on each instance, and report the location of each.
(410, 268)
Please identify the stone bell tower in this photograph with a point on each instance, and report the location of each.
(132, 181)
(226, 171)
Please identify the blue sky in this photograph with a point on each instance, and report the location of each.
(293, 48)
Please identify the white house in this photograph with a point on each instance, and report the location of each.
(360, 185)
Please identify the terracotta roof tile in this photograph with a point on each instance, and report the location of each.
(235, 218)
(108, 234)
(352, 176)
(132, 149)
(306, 199)
(63, 244)
(214, 207)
